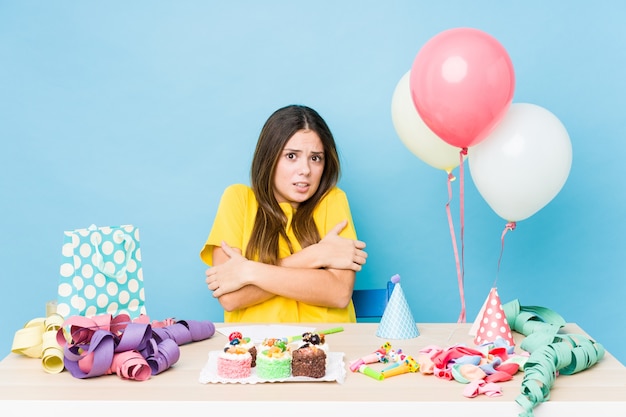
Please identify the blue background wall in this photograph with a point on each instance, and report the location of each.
(142, 112)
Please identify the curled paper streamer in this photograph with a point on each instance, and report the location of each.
(51, 354)
(551, 353)
(107, 344)
(527, 320)
(566, 355)
(100, 345)
(38, 340)
(130, 365)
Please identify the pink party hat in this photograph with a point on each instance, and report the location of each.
(492, 323)
(397, 321)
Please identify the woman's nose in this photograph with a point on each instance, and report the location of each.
(304, 168)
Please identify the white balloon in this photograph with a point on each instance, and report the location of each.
(523, 164)
(416, 135)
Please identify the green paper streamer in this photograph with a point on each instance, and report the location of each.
(551, 353)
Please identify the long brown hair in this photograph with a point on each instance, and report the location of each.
(270, 221)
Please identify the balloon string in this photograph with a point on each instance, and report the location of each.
(456, 252)
(463, 152)
(509, 226)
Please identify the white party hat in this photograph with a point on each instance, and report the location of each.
(397, 321)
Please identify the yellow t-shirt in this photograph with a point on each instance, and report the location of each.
(233, 224)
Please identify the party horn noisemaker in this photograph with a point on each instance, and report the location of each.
(379, 355)
(366, 370)
(409, 365)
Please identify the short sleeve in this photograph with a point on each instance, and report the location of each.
(230, 221)
(333, 209)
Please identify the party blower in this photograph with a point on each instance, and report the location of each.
(408, 365)
(379, 355)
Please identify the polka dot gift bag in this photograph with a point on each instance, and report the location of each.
(101, 272)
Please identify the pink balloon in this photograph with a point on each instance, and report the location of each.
(462, 84)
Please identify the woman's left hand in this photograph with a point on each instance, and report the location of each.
(342, 253)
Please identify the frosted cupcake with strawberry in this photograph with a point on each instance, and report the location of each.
(237, 339)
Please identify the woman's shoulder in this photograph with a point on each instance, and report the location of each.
(238, 194)
(240, 188)
(335, 197)
(335, 193)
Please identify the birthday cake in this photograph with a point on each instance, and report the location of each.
(310, 358)
(273, 360)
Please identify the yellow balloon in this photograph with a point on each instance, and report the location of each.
(416, 135)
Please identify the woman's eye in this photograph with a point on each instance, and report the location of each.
(291, 155)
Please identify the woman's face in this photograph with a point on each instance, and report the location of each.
(299, 168)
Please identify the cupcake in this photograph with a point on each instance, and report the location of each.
(237, 339)
(311, 356)
(273, 360)
(234, 362)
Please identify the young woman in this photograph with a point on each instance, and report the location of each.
(285, 249)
